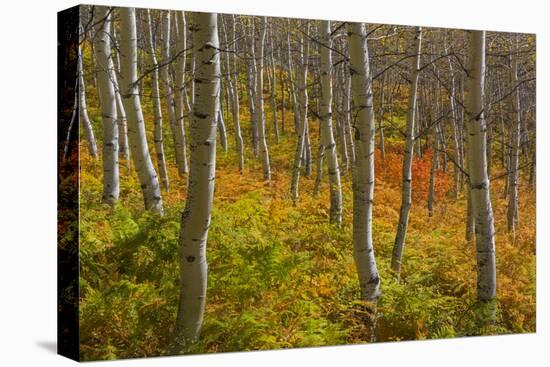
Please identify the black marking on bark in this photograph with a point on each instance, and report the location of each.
(190, 259)
(200, 115)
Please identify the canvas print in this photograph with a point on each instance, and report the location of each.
(235, 183)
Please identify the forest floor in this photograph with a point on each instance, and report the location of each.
(279, 275)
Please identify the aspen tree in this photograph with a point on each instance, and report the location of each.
(477, 164)
(83, 110)
(301, 86)
(136, 125)
(179, 86)
(102, 41)
(260, 119)
(515, 133)
(363, 167)
(327, 137)
(177, 128)
(406, 192)
(157, 110)
(198, 207)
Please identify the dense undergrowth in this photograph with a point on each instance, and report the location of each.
(281, 276)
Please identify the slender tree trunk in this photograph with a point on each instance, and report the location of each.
(123, 149)
(260, 118)
(111, 179)
(292, 83)
(179, 85)
(177, 129)
(301, 80)
(515, 132)
(477, 161)
(136, 125)
(381, 146)
(155, 94)
(83, 111)
(221, 128)
(235, 96)
(196, 216)
(433, 169)
(406, 200)
(273, 86)
(347, 121)
(363, 172)
(253, 92)
(327, 137)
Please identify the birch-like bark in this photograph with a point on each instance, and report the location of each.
(292, 82)
(273, 85)
(176, 127)
(179, 85)
(136, 125)
(363, 171)
(222, 129)
(327, 137)
(381, 145)
(515, 132)
(231, 60)
(196, 216)
(347, 120)
(260, 118)
(83, 111)
(458, 161)
(107, 98)
(157, 109)
(301, 80)
(406, 192)
(477, 162)
(252, 91)
(123, 149)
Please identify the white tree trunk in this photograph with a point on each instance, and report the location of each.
(83, 111)
(515, 131)
(301, 81)
(102, 41)
(260, 118)
(233, 81)
(180, 94)
(327, 136)
(177, 132)
(123, 149)
(477, 162)
(406, 191)
(363, 171)
(198, 207)
(157, 109)
(136, 125)
(273, 84)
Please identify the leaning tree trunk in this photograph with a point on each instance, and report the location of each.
(107, 98)
(328, 141)
(196, 216)
(136, 125)
(406, 192)
(363, 170)
(83, 111)
(260, 119)
(155, 93)
(477, 162)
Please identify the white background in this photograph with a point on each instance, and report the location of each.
(28, 182)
